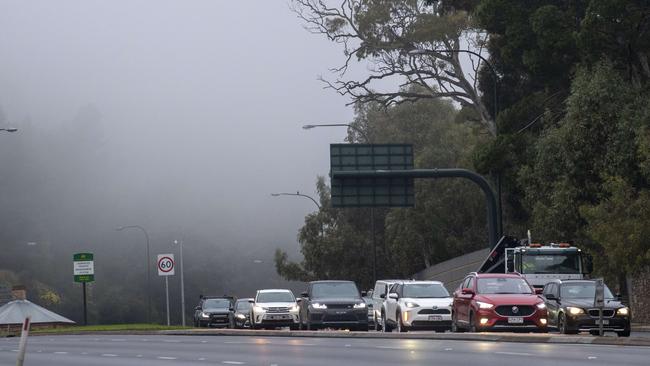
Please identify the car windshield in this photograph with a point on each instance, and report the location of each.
(244, 305)
(582, 290)
(503, 285)
(334, 289)
(216, 303)
(567, 263)
(277, 296)
(424, 290)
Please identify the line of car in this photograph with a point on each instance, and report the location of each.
(482, 302)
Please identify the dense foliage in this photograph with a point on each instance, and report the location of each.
(573, 125)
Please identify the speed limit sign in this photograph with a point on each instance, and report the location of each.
(166, 264)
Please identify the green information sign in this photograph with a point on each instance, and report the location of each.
(83, 267)
(371, 191)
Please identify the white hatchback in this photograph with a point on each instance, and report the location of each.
(417, 305)
(275, 308)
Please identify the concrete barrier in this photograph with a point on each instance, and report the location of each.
(452, 272)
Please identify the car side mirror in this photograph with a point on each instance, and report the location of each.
(231, 309)
(304, 294)
(619, 297)
(550, 297)
(251, 301)
(382, 296)
(539, 291)
(299, 300)
(467, 291)
(197, 308)
(393, 296)
(364, 294)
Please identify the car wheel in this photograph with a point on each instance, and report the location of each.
(472, 323)
(562, 326)
(625, 333)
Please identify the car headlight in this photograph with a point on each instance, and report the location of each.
(294, 309)
(316, 305)
(240, 316)
(410, 304)
(259, 309)
(541, 306)
(205, 315)
(361, 305)
(623, 311)
(575, 311)
(484, 305)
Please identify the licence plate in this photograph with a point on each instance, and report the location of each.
(515, 320)
(605, 321)
(435, 317)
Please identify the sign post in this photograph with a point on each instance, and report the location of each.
(84, 271)
(166, 268)
(599, 302)
(22, 346)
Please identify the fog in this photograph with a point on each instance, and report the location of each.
(179, 116)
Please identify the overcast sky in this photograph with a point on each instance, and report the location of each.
(201, 104)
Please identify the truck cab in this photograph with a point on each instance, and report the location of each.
(538, 264)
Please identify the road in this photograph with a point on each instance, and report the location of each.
(94, 350)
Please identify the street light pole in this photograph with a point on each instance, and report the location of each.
(496, 110)
(372, 209)
(148, 270)
(180, 246)
(298, 194)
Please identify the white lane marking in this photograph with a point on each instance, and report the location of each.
(513, 353)
(449, 349)
(84, 353)
(138, 356)
(172, 341)
(388, 347)
(60, 353)
(109, 355)
(348, 345)
(166, 358)
(592, 357)
(233, 362)
(118, 340)
(204, 341)
(15, 350)
(201, 359)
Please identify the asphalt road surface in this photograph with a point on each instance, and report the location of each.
(94, 350)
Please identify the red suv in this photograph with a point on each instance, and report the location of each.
(492, 301)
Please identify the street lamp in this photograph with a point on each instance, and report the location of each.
(298, 194)
(352, 127)
(372, 210)
(148, 270)
(420, 51)
(180, 246)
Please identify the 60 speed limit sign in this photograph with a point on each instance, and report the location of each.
(166, 264)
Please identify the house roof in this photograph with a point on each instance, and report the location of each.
(15, 312)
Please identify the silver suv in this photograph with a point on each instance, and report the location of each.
(379, 294)
(274, 308)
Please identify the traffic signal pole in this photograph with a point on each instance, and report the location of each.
(490, 200)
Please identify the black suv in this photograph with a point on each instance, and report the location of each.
(213, 311)
(570, 305)
(333, 304)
